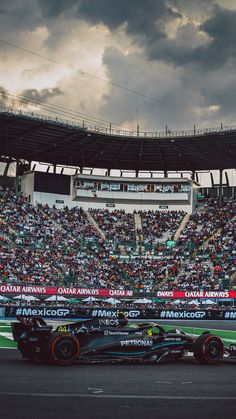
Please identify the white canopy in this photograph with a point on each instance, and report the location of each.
(177, 302)
(56, 298)
(112, 300)
(193, 302)
(90, 299)
(143, 301)
(209, 302)
(25, 297)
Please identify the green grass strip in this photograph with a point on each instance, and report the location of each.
(6, 343)
(5, 329)
(224, 334)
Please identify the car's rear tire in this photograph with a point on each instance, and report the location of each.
(208, 349)
(62, 349)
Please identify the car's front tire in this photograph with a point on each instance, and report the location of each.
(62, 349)
(208, 349)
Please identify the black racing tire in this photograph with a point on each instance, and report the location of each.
(208, 349)
(62, 349)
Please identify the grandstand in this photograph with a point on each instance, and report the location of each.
(140, 234)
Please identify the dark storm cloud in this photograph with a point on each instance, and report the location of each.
(43, 95)
(53, 8)
(138, 16)
(19, 16)
(3, 96)
(195, 60)
(222, 94)
(157, 81)
(222, 30)
(217, 51)
(28, 96)
(145, 23)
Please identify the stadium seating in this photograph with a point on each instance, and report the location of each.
(42, 245)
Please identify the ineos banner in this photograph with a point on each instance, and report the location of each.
(131, 313)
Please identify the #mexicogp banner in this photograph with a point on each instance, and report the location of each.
(110, 315)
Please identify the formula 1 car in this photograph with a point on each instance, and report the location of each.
(110, 339)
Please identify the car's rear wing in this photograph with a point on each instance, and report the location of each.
(25, 325)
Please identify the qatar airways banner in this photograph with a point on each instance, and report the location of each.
(196, 294)
(78, 292)
(96, 292)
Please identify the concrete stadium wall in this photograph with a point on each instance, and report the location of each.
(128, 201)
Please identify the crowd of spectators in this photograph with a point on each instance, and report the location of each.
(155, 223)
(43, 245)
(117, 225)
(205, 224)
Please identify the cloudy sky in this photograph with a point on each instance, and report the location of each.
(152, 62)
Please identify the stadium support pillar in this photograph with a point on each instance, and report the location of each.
(221, 188)
(212, 180)
(165, 173)
(227, 179)
(6, 169)
(136, 173)
(17, 177)
(193, 175)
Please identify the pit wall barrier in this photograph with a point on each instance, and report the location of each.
(131, 313)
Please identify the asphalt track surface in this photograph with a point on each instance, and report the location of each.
(183, 389)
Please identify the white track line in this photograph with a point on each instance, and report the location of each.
(6, 335)
(116, 396)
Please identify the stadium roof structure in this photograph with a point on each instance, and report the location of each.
(31, 137)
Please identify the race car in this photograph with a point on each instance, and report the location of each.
(110, 339)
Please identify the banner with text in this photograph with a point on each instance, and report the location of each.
(103, 292)
(196, 294)
(66, 291)
(131, 313)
